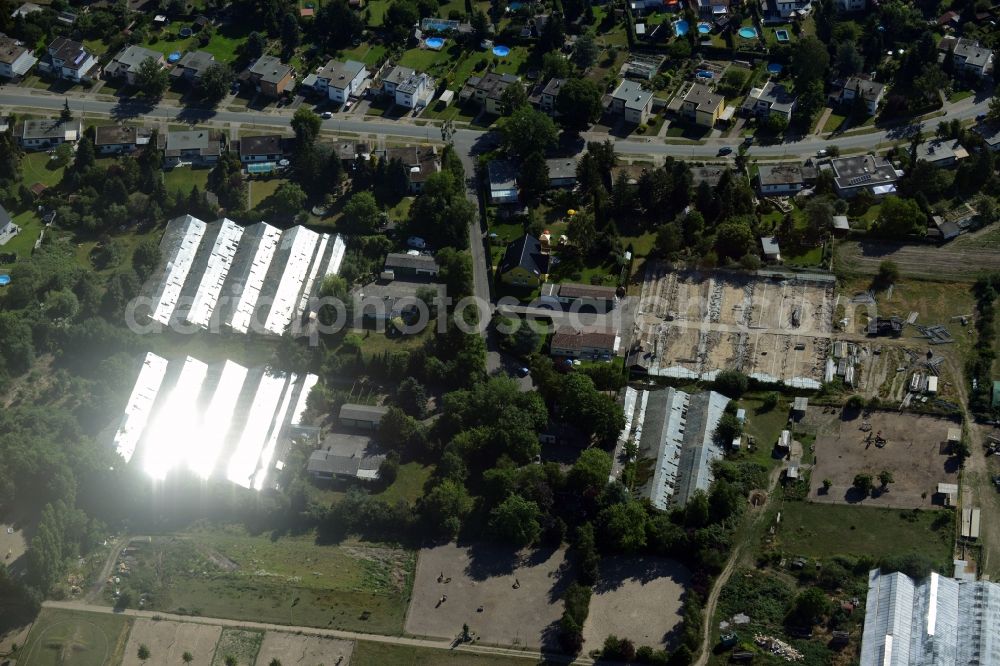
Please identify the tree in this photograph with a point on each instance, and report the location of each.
(306, 125)
(142, 652)
(288, 199)
(900, 217)
(734, 238)
(809, 607)
(534, 177)
(582, 232)
(827, 484)
(809, 62)
(513, 98)
(669, 239)
(151, 79)
(585, 52)
(187, 657)
(445, 506)
(885, 478)
(66, 115)
(863, 482)
(888, 273)
(230, 660)
(255, 45)
(849, 60)
(578, 104)
(400, 18)
(731, 383)
(291, 36)
(819, 217)
(361, 214)
(274, 662)
(455, 272)
(590, 472)
(623, 527)
(412, 398)
(527, 131)
(728, 429)
(516, 521)
(226, 180)
(216, 82)
(993, 115)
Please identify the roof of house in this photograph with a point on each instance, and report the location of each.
(971, 51)
(322, 461)
(131, 57)
(491, 83)
(633, 94)
(5, 218)
(112, 135)
(502, 174)
(586, 338)
(340, 72)
(354, 412)
(207, 142)
(770, 245)
(775, 95)
(67, 50)
(780, 174)
(862, 170)
(561, 168)
(420, 162)
(414, 82)
(50, 128)
(415, 261)
(870, 90)
(525, 252)
(10, 49)
(346, 150)
(940, 150)
(197, 61)
(270, 69)
(553, 86)
(800, 404)
(840, 222)
(704, 99)
(398, 75)
(707, 174)
(267, 144)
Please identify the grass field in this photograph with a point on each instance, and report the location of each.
(289, 580)
(260, 190)
(40, 168)
(67, 637)
(23, 243)
(409, 483)
(380, 654)
(183, 179)
(764, 427)
(823, 530)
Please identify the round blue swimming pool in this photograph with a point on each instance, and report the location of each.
(174, 57)
(434, 43)
(501, 51)
(185, 32)
(747, 32)
(705, 74)
(681, 28)
(775, 68)
(704, 28)
(4, 279)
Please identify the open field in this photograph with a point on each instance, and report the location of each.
(290, 580)
(239, 643)
(949, 262)
(382, 654)
(825, 530)
(916, 455)
(85, 639)
(301, 649)
(12, 546)
(690, 325)
(637, 598)
(168, 641)
(481, 592)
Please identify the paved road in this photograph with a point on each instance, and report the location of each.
(330, 633)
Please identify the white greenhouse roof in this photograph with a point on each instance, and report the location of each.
(210, 286)
(140, 405)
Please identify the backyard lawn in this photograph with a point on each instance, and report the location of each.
(22, 244)
(41, 168)
(409, 483)
(183, 179)
(260, 190)
(224, 45)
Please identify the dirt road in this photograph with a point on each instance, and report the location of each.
(94, 593)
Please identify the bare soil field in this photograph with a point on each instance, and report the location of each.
(168, 641)
(300, 650)
(915, 454)
(638, 598)
(12, 545)
(507, 598)
(948, 262)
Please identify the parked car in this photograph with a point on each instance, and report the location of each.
(416, 242)
(725, 150)
(327, 115)
(523, 372)
(822, 152)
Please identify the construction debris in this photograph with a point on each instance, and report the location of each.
(912, 318)
(936, 335)
(865, 298)
(777, 647)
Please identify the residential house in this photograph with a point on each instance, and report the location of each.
(119, 139)
(192, 66)
(487, 90)
(263, 148)
(632, 101)
(69, 60)
(702, 106)
(772, 251)
(547, 100)
(45, 133)
(194, 147)
(8, 230)
(870, 172)
(15, 59)
(126, 64)
(347, 456)
(503, 181)
(710, 9)
(562, 172)
(772, 98)
(408, 88)
(523, 263)
(411, 265)
(575, 296)
(420, 163)
(362, 417)
(941, 152)
(851, 5)
(269, 76)
(783, 10)
(347, 152)
(584, 343)
(871, 92)
(969, 57)
(783, 179)
(339, 80)
(25, 9)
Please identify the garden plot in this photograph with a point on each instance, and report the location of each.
(167, 642)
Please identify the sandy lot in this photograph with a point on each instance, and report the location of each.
(484, 576)
(915, 454)
(638, 598)
(305, 650)
(168, 641)
(13, 545)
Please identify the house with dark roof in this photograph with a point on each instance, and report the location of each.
(349, 456)
(872, 172)
(420, 162)
(263, 148)
(547, 98)
(783, 179)
(487, 90)
(772, 98)
(562, 171)
(702, 106)
(411, 265)
(7, 227)
(125, 65)
(871, 92)
(194, 147)
(502, 175)
(523, 263)
(269, 76)
(119, 139)
(192, 66)
(584, 343)
(70, 60)
(15, 58)
(598, 297)
(362, 417)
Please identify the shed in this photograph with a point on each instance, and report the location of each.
(736, 443)
(800, 405)
(366, 417)
(841, 224)
(792, 472)
(970, 523)
(741, 415)
(785, 440)
(932, 385)
(772, 251)
(996, 394)
(447, 97)
(954, 435)
(948, 492)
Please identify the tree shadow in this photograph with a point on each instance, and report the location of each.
(854, 496)
(616, 571)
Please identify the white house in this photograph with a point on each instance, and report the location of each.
(780, 179)
(125, 65)
(410, 89)
(69, 60)
(45, 133)
(775, 10)
(15, 59)
(971, 58)
(339, 80)
(870, 91)
(772, 98)
(632, 101)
